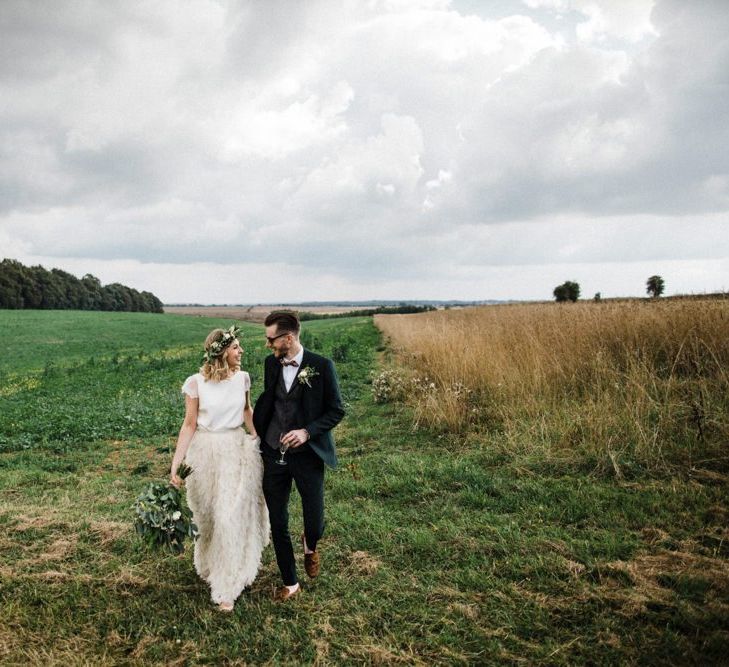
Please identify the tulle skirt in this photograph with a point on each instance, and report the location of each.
(225, 496)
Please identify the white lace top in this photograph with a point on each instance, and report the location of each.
(220, 403)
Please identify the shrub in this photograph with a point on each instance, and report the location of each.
(387, 386)
(340, 352)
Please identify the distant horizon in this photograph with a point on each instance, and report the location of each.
(416, 302)
(339, 302)
(376, 301)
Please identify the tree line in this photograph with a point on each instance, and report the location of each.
(402, 309)
(35, 287)
(570, 290)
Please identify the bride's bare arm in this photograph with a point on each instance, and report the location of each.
(248, 415)
(187, 430)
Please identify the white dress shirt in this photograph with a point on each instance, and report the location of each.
(289, 372)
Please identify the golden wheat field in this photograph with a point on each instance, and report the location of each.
(626, 382)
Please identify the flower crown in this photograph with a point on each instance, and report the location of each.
(217, 347)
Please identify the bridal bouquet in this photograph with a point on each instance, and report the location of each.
(163, 519)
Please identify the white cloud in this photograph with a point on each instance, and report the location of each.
(357, 138)
(624, 19)
(344, 183)
(604, 19)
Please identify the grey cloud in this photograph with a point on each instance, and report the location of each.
(139, 133)
(667, 140)
(40, 35)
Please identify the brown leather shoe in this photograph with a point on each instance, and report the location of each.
(311, 561)
(282, 594)
(311, 564)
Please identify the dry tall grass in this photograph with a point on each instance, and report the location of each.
(627, 381)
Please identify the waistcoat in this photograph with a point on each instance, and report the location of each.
(286, 414)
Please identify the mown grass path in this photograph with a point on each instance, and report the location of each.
(438, 549)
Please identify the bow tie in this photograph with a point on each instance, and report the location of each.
(293, 362)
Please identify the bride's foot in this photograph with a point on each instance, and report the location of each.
(225, 606)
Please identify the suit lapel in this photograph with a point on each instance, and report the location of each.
(276, 369)
(306, 392)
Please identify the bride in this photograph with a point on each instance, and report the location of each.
(224, 488)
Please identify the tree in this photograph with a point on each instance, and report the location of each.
(655, 286)
(74, 294)
(116, 297)
(51, 288)
(93, 288)
(567, 291)
(154, 305)
(35, 287)
(597, 297)
(12, 276)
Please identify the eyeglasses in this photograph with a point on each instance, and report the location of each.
(270, 339)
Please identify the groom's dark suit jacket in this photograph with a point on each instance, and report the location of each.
(321, 404)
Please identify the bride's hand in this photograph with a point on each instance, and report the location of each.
(176, 481)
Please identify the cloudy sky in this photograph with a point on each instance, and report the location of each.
(222, 151)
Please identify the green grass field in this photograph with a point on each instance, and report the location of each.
(439, 550)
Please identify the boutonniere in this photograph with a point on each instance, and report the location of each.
(305, 375)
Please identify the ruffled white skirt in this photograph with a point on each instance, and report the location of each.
(225, 496)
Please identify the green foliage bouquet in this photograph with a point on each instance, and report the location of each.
(163, 519)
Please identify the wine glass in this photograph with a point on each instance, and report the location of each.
(282, 447)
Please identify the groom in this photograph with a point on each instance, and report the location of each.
(299, 406)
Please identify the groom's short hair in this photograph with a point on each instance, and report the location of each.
(285, 320)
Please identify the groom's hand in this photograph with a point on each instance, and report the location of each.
(296, 438)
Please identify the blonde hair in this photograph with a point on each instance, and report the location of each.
(217, 368)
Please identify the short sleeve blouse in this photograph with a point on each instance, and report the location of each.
(221, 403)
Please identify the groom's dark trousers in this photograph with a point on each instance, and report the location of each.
(307, 471)
(317, 408)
